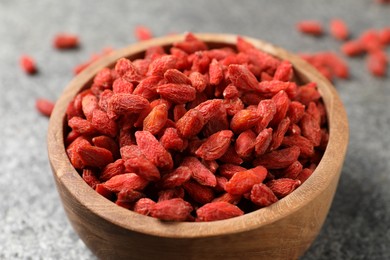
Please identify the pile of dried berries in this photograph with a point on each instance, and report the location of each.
(196, 134)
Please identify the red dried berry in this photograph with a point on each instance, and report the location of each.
(217, 211)
(310, 27)
(190, 124)
(377, 63)
(172, 210)
(215, 146)
(126, 104)
(242, 182)
(339, 29)
(125, 181)
(245, 143)
(243, 120)
(262, 196)
(27, 63)
(144, 206)
(156, 119)
(177, 93)
(135, 161)
(44, 106)
(143, 33)
(153, 150)
(90, 178)
(353, 48)
(242, 77)
(283, 186)
(200, 172)
(176, 178)
(66, 41)
(112, 169)
(199, 193)
(278, 159)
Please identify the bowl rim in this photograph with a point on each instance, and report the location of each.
(328, 168)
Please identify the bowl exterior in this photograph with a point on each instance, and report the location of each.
(287, 238)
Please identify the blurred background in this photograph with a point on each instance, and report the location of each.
(33, 224)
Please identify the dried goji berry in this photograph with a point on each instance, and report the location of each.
(28, 65)
(245, 143)
(121, 85)
(200, 172)
(168, 194)
(353, 48)
(262, 196)
(177, 93)
(229, 198)
(125, 104)
(242, 77)
(215, 146)
(172, 210)
(283, 186)
(311, 129)
(112, 169)
(90, 178)
(142, 33)
(156, 119)
(278, 159)
(94, 156)
(242, 182)
(190, 124)
(125, 181)
(191, 44)
(135, 161)
(44, 106)
(305, 174)
(370, 40)
(153, 150)
(277, 136)
(144, 206)
(66, 41)
(217, 211)
(126, 197)
(81, 126)
(339, 29)
(176, 178)
(284, 72)
(177, 77)
(243, 120)
(215, 72)
(305, 145)
(199, 193)
(103, 124)
(310, 27)
(377, 63)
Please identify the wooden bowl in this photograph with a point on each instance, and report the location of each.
(283, 230)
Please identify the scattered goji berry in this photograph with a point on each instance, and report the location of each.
(142, 33)
(339, 29)
(310, 27)
(44, 106)
(28, 65)
(66, 41)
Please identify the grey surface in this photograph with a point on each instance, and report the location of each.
(32, 222)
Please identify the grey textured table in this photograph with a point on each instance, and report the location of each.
(32, 222)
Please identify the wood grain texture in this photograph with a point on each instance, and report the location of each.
(283, 230)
